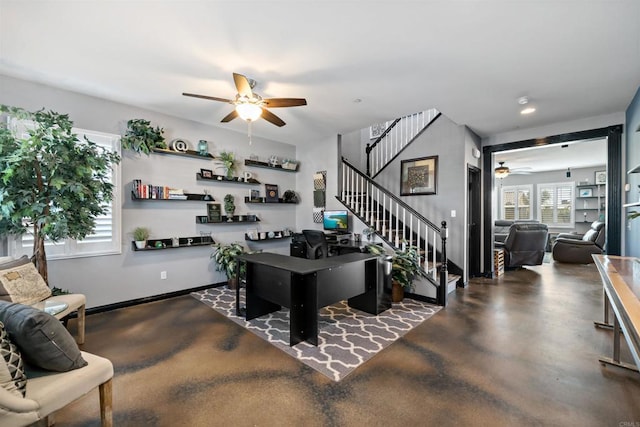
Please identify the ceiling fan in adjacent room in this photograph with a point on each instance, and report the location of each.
(250, 106)
(503, 171)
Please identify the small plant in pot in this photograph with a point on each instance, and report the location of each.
(229, 206)
(225, 257)
(140, 236)
(405, 268)
(228, 163)
(141, 137)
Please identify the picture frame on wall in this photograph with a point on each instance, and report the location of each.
(600, 177)
(419, 176)
(376, 130)
(586, 192)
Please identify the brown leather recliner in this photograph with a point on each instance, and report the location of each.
(525, 244)
(577, 248)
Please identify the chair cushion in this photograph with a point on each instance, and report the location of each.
(21, 281)
(12, 376)
(42, 339)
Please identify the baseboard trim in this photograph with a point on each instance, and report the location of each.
(137, 301)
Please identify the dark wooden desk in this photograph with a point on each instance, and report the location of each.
(304, 286)
(621, 283)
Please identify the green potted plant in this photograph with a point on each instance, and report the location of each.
(228, 163)
(53, 186)
(140, 236)
(225, 257)
(141, 137)
(405, 268)
(229, 206)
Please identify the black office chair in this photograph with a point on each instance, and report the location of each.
(316, 244)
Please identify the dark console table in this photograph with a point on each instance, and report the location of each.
(304, 286)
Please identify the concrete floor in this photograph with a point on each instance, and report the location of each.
(518, 350)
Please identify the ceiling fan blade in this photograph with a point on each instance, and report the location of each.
(210, 98)
(243, 85)
(272, 118)
(284, 102)
(232, 115)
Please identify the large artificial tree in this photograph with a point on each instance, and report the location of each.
(50, 180)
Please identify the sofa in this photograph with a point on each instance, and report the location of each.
(525, 244)
(577, 248)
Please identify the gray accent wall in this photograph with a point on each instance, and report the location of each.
(131, 275)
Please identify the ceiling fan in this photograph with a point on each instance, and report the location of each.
(250, 106)
(503, 171)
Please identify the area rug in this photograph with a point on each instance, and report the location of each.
(347, 337)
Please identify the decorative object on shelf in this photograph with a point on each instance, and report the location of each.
(175, 242)
(229, 206)
(32, 178)
(203, 147)
(228, 163)
(289, 164)
(369, 232)
(214, 212)
(252, 234)
(141, 137)
(140, 236)
(290, 196)
(254, 195)
(586, 192)
(286, 232)
(273, 161)
(180, 145)
(206, 173)
(418, 176)
(225, 257)
(271, 193)
(319, 188)
(601, 177)
(247, 176)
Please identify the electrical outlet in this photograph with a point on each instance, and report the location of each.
(163, 275)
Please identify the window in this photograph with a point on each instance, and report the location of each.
(516, 202)
(555, 204)
(105, 239)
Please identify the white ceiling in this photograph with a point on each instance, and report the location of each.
(469, 59)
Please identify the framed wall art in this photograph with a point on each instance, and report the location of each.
(601, 177)
(376, 130)
(419, 176)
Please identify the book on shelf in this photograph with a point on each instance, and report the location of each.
(271, 192)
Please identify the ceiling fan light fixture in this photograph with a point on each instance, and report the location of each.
(502, 171)
(249, 112)
(526, 107)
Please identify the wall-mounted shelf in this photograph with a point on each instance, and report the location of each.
(222, 178)
(257, 164)
(203, 219)
(183, 242)
(189, 197)
(262, 201)
(189, 153)
(267, 238)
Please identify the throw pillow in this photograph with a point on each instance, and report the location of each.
(12, 377)
(43, 341)
(24, 284)
(6, 263)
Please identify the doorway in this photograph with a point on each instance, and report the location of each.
(474, 219)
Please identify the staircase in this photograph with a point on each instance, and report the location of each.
(397, 224)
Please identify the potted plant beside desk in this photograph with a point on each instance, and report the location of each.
(405, 268)
(225, 257)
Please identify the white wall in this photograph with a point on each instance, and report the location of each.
(131, 275)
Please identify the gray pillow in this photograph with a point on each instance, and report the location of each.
(43, 341)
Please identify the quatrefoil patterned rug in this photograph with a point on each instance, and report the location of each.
(347, 337)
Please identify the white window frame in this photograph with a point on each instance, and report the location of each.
(71, 248)
(516, 188)
(572, 199)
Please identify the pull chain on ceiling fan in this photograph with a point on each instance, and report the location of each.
(250, 106)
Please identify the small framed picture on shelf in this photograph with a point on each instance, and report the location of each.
(586, 192)
(271, 191)
(206, 173)
(214, 212)
(254, 196)
(601, 177)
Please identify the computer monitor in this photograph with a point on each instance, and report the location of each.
(335, 220)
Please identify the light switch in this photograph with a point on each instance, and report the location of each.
(453, 214)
